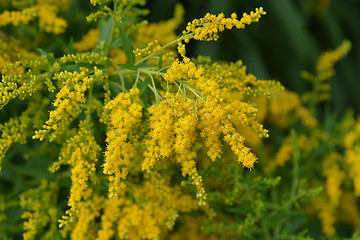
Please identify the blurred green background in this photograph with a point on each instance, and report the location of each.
(287, 40)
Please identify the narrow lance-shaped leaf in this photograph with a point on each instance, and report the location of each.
(127, 47)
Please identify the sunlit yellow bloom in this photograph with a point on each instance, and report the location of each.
(124, 115)
(88, 41)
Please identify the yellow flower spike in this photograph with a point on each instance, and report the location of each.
(185, 130)
(161, 134)
(351, 159)
(328, 59)
(109, 218)
(211, 115)
(348, 209)
(236, 142)
(125, 114)
(207, 28)
(40, 204)
(333, 184)
(89, 210)
(80, 152)
(327, 216)
(66, 103)
(324, 71)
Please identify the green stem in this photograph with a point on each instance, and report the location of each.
(88, 110)
(296, 158)
(107, 50)
(190, 35)
(154, 90)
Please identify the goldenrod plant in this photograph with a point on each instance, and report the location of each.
(121, 134)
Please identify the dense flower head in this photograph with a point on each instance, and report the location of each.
(125, 114)
(183, 70)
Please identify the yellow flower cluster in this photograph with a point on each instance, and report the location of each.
(117, 56)
(161, 134)
(88, 41)
(92, 58)
(157, 213)
(152, 39)
(324, 71)
(16, 17)
(124, 114)
(285, 107)
(330, 203)
(17, 129)
(351, 159)
(352, 145)
(183, 70)
(111, 215)
(340, 168)
(89, 211)
(326, 214)
(327, 60)
(81, 153)
(149, 217)
(288, 147)
(348, 210)
(173, 125)
(12, 132)
(19, 85)
(67, 102)
(48, 21)
(151, 139)
(185, 138)
(45, 10)
(10, 49)
(150, 48)
(207, 28)
(232, 77)
(334, 178)
(220, 117)
(40, 205)
(163, 31)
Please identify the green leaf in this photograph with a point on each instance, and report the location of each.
(144, 85)
(160, 62)
(106, 31)
(128, 66)
(32, 171)
(127, 47)
(49, 57)
(70, 46)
